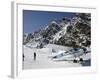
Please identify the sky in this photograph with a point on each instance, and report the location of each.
(35, 20)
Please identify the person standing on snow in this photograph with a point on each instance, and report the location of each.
(34, 55)
(23, 56)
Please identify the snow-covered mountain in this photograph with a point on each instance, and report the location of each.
(78, 33)
(49, 34)
(74, 32)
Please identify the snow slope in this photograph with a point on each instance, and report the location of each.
(61, 33)
(43, 60)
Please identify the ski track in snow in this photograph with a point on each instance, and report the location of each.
(42, 58)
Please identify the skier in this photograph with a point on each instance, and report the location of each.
(34, 55)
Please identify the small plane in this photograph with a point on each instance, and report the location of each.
(71, 55)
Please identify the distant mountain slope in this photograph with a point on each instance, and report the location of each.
(74, 32)
(78, 34)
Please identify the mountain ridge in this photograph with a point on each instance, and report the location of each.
(74, 32)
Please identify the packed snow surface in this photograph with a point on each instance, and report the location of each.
(43, 59)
